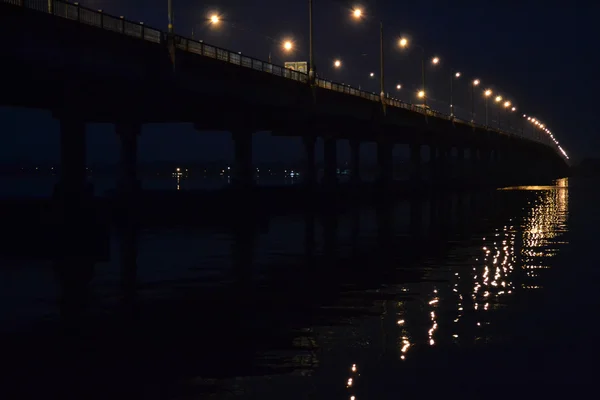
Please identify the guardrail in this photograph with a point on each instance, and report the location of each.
(97, 18)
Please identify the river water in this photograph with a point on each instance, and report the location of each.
(483, 292)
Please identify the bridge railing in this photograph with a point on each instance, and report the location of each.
(207, 50)
(97, 18)
(76, 12)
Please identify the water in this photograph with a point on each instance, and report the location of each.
(485, 291)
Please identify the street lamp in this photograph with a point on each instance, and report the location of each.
(357, 13)
(473, 84)
(403, 42)
(287, 47)
(170, 12)
(337, 63)
(487, 94)
(215, 19)
(421, 94)
(498, 99)
(311, 60)
(506, 105)
(454, 75)
(398, 86)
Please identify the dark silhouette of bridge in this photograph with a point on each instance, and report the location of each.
(86, 66)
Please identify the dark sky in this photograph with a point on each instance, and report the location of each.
(542, 55)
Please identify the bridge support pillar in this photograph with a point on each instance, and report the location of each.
(474, 173)
(128, 136)
(433, 162)
(73, 195)
(330, 156)
(442, 164)
(385, 162)
(459, 170)
(484, 166)
(415, 164)
(72, 187)
(495, 168)
(242, 170)
(355, 161)
(310, 173)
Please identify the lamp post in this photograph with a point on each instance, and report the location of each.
(506, 105)
(473, 84)
(487, 94)
(423, 93)
(311, 61)
(454, 75)
(357, 13)
(170, 11)
(381, 78)
(498, 99)
(513, 109)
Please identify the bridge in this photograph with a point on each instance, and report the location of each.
(87, 66)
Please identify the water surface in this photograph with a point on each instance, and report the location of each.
(481, 290)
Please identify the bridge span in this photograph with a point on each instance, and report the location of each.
(86, 66)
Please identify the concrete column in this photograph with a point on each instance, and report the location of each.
(495, 171)
(444, 165)
(330, 155)
(72, 185)
(473, 166)
(415, 163)
(459, 170)
(355, 161)
(243, 172)
(128, 136)
(433, 160)
(50, 6)
(310, 173)
(385, 162)
(484, 166)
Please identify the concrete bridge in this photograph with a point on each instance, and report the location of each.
(86, 66)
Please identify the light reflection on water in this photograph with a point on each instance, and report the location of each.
(460, 300)
(465, 310)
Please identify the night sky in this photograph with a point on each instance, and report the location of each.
(540, 55)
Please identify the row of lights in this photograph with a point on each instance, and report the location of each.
(288, 46)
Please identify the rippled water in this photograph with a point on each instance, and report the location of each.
(487, 289)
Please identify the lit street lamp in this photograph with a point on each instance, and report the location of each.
(487, 94)
(506, 105)
(403, 42)
(311, 61)
(498, 99)
(337, 63)
(170, 12)
(454, 75)
(357, 13)
(398, 86)
(473, 84)
(287, 46)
